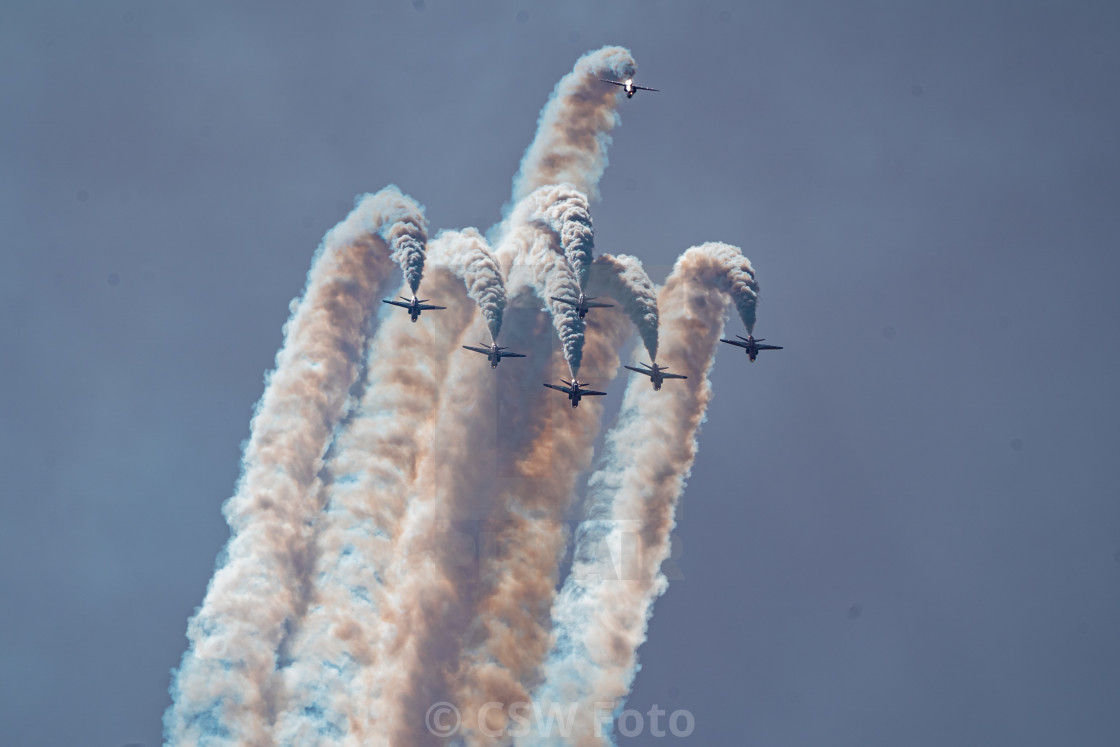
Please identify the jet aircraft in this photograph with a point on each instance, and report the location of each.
(414, 305)
(583, 304)
(751, 345)
(574, 390)
(628, 85)
(655, 373)
(494, 353)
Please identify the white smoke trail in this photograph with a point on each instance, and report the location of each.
(573, 131)
(603, 610)
(523, 536)
(564, 209)
(549, 273)
(466, 254)
(526, 538)
(222, 692)
(407, 234)
(622, 278)
(332, 686)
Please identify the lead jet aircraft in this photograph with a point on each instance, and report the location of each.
(494, 353)
(583, 304)
(414, 305)
(574, 390)
(655, 373)
(750, 344)
(628, 85)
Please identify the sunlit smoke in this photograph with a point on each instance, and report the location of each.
(573, 131)
(534, 252)
(604, 607)
(623, 278)
(223, 688)
(407, 234)
(564, 209)
(467, 255)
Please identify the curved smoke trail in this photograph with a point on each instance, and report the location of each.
(622, 277)
(407, 234)
(537, 251)
(573, 131)
(603, 610)
(331, 686)
(222, 692)
(564, 209)
(467, 255)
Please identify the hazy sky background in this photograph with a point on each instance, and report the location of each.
(903, 529)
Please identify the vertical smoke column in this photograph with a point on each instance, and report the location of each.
(407, 235)
(603, 610)
(467, 255)
(622, 278)
(565, 210)
(524, 535)
(525, 540)
(573, 131)
(223, 690)
(332, 686)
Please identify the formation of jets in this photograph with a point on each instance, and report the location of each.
(574, 389)
(414, 305)
(751, 345)
(583, 303)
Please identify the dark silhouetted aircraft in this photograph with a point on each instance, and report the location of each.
(574, 391)
(583, 304)
(414, 306)
(655, 373)
(494, 353)
(750, 344)
(628, 85)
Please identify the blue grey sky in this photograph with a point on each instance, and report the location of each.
(901, 529)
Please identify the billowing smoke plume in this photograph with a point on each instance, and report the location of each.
(574, 127)
(622, 278)
(223, 689)
(535, 254)
(407, 234)
(564, 209)
(604, 607)
(467, 255)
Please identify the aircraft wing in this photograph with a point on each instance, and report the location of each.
(588, 392)
(402, 304)
(613, 82)
(565, 300)
(565, 390)
(643, 88)
(673, 376)
(430, 307)
(641, 371)
(770, 347)
(597, 305)
(736, 343)
(511, 355)
(484, 351)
